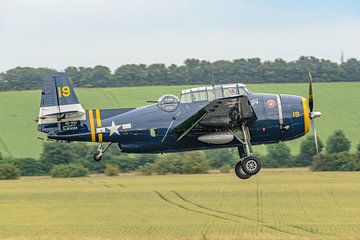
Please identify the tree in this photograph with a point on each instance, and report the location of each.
(192, 71)
(342, 161)
(55, 153)
(220, 157)
(166, 164)
(30, 167)
(23, 78)
(194, 162)
(279, 155)
(307, 151)
(225, 168)
(337, 142)
(182, 163)
(9, 171)
(69, 170)
(358, 148)
(111, 170)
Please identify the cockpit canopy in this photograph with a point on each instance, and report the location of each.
(210, 93)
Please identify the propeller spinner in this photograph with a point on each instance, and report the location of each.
(313, 114)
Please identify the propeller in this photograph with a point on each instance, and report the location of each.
(312, 114)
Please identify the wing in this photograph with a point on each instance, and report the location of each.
(227, 113)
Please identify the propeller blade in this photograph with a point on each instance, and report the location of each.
(315, 135)
(311, 99)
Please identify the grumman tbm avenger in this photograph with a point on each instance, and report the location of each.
(217, 116)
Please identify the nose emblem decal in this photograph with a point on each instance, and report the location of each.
(270, 103)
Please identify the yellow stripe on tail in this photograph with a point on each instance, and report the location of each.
(92, 126)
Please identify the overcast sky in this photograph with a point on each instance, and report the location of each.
(60, 33)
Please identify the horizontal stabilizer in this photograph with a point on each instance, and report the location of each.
(62, 109)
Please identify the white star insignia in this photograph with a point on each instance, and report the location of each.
(114, 128)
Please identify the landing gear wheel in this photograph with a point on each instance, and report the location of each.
(251, 165)
(101, 150)
(240, 172)
(97, 156)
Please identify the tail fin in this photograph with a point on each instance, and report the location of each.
(58, 104)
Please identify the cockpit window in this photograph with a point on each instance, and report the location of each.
(231, 91)
(213, 92)
(186, 98)
(198, 96)
(243, 91)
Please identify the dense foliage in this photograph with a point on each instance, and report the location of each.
(337, 156)
(337, 143)
(342, 161)
(111, 170)
(65, 160)
(220, 157)
(279, 155)
(69, 170)
(9, 171)
(193, 71)
(30, 167)
(308, 151)
(190, 163)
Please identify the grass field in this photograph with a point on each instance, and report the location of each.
(275, 204)
(339, 103)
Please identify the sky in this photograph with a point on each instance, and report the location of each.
(61, 33)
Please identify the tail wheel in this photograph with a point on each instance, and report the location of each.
(240, 172)
(251, 165)
(97, 156)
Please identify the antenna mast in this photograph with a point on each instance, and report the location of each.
(212, 78)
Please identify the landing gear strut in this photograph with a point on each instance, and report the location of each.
(101, 150)
(249, 165)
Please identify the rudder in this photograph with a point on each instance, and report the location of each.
(59, 103)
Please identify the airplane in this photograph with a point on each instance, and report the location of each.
(216, 116)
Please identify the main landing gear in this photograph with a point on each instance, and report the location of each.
(249, 165)
(101, 150)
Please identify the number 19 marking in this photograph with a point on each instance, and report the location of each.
(64, 91)
(296, 114)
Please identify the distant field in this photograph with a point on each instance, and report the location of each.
(276, 204)
(339, 103)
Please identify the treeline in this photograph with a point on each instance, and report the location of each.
(75, 160)
(193, 71)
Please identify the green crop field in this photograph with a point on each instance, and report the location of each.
(275, 204)
(339, 103)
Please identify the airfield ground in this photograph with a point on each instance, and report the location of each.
(276, 204)
(339, 103)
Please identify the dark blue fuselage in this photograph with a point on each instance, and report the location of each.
(150, 129)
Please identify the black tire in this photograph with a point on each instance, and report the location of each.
(251, 165)
(240, 172)
(97, 157)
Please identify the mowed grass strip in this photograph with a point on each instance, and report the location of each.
(339, 103)
(281, 204)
